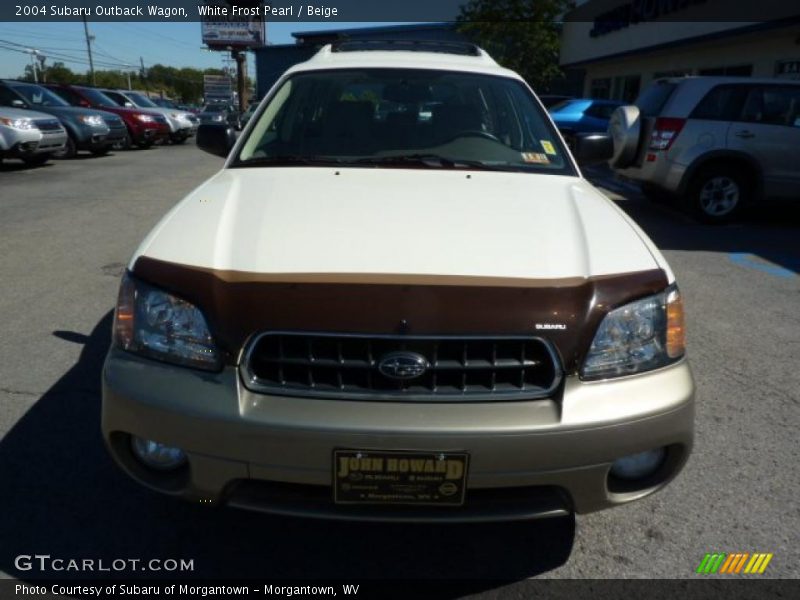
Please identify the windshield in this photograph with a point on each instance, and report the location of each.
(164, 103)
(39, 96)
(97, 98)
(405, 117)
(141, 101)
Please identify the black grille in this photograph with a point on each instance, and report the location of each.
(48, 125)
(349, 366)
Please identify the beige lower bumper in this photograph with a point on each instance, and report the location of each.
(232, 436)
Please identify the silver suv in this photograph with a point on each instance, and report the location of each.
(714, 143)
(30, 136)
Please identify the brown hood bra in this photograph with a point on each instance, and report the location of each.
(237, 305)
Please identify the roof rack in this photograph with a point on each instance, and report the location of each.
(445, 47)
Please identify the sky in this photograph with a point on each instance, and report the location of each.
(118, 44)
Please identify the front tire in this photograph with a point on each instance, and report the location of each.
(124, 144)
(69, 151)
(717, 194)
(101, 151)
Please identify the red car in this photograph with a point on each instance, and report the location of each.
(144, 128)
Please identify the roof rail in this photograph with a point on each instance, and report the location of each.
(445, 47)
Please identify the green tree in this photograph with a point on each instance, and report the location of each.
(522, 35)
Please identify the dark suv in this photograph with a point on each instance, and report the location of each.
(715, 143)
(144, 128)
(92, 130)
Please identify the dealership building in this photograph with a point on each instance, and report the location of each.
(616, 47)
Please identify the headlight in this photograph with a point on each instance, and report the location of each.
(640, 336)
(24, 124)
(145, 118)
(93, 120)
(153, 323)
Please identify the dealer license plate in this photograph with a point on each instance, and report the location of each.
(395, 477)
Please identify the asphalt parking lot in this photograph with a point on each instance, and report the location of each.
(68, 229)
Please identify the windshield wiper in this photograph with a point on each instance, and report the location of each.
(287, 160)
(428, 160)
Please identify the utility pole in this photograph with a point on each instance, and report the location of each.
(33, 65)
(42, 58)
(144, 72)
(89, 49)
(241, 77)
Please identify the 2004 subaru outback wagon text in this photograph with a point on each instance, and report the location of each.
(422, 312)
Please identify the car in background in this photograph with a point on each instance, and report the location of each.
(220, 112)
(582, 115)
(30, 136)
(551, 99)
(713, 144)
(87, 129)
(182, 127)
(144, 128)
(248, 114)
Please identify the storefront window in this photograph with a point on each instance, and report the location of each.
(730, 71)
(626, 88)
(600, 88)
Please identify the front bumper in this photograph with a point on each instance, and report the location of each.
(527, 459)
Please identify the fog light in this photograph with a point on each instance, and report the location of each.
(639, 465)
(156, 455)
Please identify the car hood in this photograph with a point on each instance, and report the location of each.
(69, 111)
(356, 222)
(20, 113)
(167, 112)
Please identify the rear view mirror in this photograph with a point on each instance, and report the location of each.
(217, 139)
(592, 148)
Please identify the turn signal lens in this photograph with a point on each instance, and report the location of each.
(676, 328)
(123, 316)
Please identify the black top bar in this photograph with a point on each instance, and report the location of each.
(446, 47)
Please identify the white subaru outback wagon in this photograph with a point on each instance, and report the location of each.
(399, 300)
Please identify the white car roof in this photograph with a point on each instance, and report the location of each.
(329, 58)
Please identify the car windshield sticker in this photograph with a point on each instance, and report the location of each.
(535, 157)
(547, 145)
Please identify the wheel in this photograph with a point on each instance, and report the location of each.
(101, 151)
(69, 151)
(716, 194)
(37, 160)
(124, 144)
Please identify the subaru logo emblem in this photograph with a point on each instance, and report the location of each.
(403, 365)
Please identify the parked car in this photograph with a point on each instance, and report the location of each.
(583, 114)
(248, 114)
(144, 128)
(30, 136)
(551, 99)
(182, 124)
(91, 130)
(219, 112)
(714, 144)
(402, 319)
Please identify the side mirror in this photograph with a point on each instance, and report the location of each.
(129, 105)
(16, 103)
(592, 148)
(84, 103)
(216, 139)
